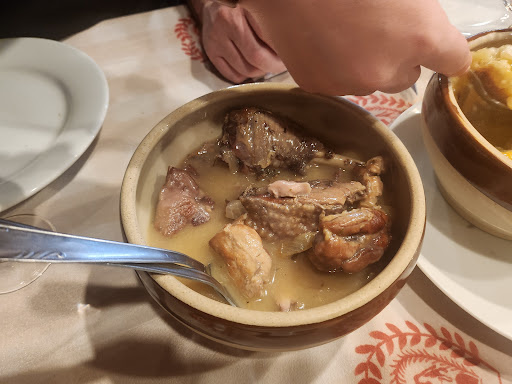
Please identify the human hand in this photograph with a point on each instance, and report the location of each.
(342, 47)
(231, 39)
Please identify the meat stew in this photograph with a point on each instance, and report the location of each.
(285, 230)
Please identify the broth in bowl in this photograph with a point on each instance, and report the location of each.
(345, 128)
(285, 223)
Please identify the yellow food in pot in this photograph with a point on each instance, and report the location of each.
(494, 65)
(508, 154)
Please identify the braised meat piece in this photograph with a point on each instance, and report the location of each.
(181, 202)
(249, 265)
(351, 240)
(260, 140)
(286, 217)
(369, 175)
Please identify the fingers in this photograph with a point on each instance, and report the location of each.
(227, 70)
(403, 79)
(231, 63)
(256, 50)
(233, 46)
(449, 54)
(275, 64)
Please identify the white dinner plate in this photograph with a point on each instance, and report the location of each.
(470, 266)
(53, 100)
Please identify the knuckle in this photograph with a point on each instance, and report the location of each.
(258, 59)
(425, 42)
(376, 78)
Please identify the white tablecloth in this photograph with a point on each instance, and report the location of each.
(91, 324)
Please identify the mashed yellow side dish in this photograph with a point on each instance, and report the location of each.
(495, 64)
(494, 67)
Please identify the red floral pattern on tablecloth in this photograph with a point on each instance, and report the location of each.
(384, 106)
(422, 356)
(188, 34)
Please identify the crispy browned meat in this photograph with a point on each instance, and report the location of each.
(288, 217)
(259, 140)
(181, 202)
(350, 241)
(369, 175)
(249, 265)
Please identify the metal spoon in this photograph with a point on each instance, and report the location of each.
(23, 243)
(481, 89)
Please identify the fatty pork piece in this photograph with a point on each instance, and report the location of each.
(248, 264)
(350, 241)
(181, 202)
(260, 140)
(273, 216)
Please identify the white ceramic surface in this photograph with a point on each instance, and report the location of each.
(470, 266)
(474, 16)
(464, 197)
(53, 100)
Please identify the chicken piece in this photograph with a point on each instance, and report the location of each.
(181, 202)
(369, 175)
(350, 241)
(248, 264)
(260, 140)
(288, 217)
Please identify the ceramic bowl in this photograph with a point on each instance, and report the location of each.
(473, 176)
(333, 120)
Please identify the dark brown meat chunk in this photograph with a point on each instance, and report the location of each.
(350, 241)
(260, 140)
(369, 175)
(249, 265)
(287, 217)
(181, 202)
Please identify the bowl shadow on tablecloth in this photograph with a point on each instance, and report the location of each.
(182, 352)
(179, 352)
(115, 322)
(130, 336)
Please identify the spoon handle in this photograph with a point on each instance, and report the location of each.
(24, 243)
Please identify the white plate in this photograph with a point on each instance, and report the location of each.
(53, 100)
(474, 16)
(470, 266)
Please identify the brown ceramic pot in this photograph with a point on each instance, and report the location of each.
(473, 176)
(333, 120)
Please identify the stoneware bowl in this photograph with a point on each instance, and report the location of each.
(472, 175)
(334, 121)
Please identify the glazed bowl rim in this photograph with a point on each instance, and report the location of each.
(455, 110)
(404, 256)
